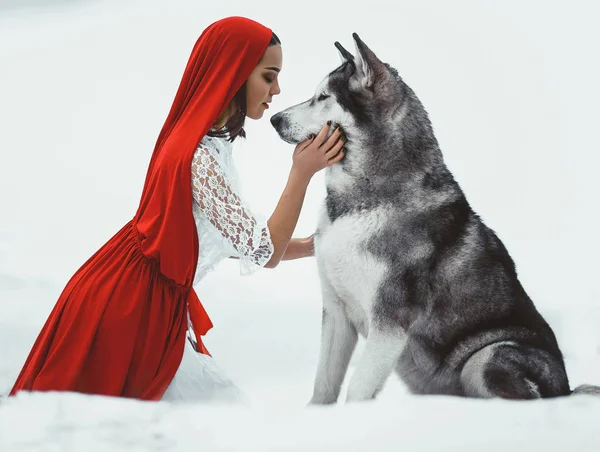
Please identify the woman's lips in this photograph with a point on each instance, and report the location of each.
(266, 105)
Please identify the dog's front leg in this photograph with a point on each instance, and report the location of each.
(382, 351)
(338, 340)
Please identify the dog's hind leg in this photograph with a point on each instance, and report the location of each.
(512, 371)
(381, 353)
(338, 341)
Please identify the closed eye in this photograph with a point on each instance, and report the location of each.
(322, 96)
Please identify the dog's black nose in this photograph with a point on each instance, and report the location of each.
(276, 120)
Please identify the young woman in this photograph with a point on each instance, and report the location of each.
(119, 326)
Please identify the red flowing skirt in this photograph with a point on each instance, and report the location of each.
(118, 328)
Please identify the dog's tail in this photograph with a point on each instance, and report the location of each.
(586, 389)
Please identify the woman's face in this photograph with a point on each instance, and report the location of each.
(263, 82)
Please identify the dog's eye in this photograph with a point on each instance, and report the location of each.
(323, 96)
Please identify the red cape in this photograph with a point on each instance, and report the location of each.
(119, 326)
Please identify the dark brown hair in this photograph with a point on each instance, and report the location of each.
(236, 111)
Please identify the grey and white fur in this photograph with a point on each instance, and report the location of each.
(405, 261)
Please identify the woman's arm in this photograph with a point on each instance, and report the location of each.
(299, 248)
(308, 159)
(283, 221)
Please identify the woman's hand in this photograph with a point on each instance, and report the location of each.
(314, 154)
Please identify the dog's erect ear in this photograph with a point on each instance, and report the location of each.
(344, 54)
(368, 66)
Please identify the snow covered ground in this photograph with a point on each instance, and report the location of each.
(512, 91)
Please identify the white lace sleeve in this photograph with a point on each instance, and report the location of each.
(225, 210)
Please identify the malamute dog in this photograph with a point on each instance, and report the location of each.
(405, 261)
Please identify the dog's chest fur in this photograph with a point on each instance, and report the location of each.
(346, 264)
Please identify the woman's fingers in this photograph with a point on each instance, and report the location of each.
(322, 134)
(336, 158)
(331, 148)
(306, 143)
(336, 153)
(335, 149)
(332, 139)
(303, 145)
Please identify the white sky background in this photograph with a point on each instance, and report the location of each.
(85, 86)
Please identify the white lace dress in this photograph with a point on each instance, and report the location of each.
(226, 227)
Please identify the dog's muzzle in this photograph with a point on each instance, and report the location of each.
(277, 121)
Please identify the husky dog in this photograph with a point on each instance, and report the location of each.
(404, 260)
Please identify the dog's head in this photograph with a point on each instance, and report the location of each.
(358, 96)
